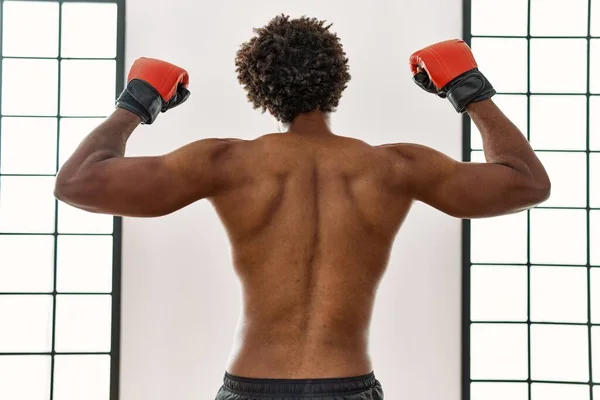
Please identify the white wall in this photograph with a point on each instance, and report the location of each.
(180, 296)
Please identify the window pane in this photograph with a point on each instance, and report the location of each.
(83, 323)
(572, 14)
(559, 353)
(74, 101)
(26, 324)
(559, 294)
(595, 292)
(499, 391)
(27, 204)
(515, 108)
(558, 122)
(84, 264)
(552, 391)
(505, 77)
(550, 58)
(30, 29)
(26, 263)
(28, 146)
(82, 377)
(595, 18)
(595, 123)
(595, 180)
(25, 377)
(492, 17)
(21, 78)
(595, 65)
(72, 133)
(498, 293)
(568, 174)
(89, 30)
(558, 237)
(510, 230)
(596, 353)
(595, 237)
(74, 220)
(499, 351)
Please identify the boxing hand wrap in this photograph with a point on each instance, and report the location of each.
(153, 86)
(449, 70)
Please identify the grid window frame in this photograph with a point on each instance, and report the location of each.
(116, 236)
(468, 263)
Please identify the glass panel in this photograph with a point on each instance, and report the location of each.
(595, 65)
(559, 353)
(84, 264)
(559, 294)
(596, 354)
(552, 391)
(595, 180)
(28, 146)
(477, 156)
(499, 351)
(558, 237)
(21, 78)
(505, 77)
(82, 377)
(74, 102)
(83, 323)
(89, 30)
(595, 123)
(498, 293)
(72, 133)
(596, 392)
(595, 28)
(510, 230)
(566, 58)
(27, 204)
(25, 377)
(26, 263)
(514, 107)
(506, 18)
(573, 17)
(26, 324)
(558, 122)
(595, 237)
(30, 29)
(74, 220)
(499, 391)
(568, 174)
(595, 292)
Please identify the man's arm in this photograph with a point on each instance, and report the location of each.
(98, 178)
(513, 179)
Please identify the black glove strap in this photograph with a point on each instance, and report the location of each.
(470, 87)
(141, 99)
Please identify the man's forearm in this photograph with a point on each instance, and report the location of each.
(503, 142)
(108, 140)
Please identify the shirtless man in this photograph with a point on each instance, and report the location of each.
(311, 215)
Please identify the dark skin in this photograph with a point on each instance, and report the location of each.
(319, 217)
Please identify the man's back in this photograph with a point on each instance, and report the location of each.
(311, 227)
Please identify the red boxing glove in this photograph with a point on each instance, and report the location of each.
(154, 86)
(449, 69)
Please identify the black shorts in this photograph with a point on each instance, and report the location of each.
(364, 387)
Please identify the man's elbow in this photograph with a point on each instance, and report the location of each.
(541, 191)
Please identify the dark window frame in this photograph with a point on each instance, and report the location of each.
(466, 225)
(117, 221)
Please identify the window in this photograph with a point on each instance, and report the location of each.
(531, 293)
(61, 67)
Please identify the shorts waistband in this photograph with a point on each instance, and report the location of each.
(283, 387)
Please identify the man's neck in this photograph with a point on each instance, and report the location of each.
(311, 123)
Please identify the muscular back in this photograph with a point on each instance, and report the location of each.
(311, 225)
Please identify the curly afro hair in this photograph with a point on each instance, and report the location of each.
(292, 67)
